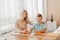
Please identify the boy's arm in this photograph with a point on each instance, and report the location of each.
(43, 31)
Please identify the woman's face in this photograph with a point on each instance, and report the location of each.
(24, 14)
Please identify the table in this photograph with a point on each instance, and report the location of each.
(49, 36)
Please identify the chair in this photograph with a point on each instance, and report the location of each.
(51, 26)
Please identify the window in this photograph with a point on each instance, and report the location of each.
(11, 9)
(35, 6)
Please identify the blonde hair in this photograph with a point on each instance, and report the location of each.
(26, 19)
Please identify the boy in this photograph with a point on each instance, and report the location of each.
(39, 25)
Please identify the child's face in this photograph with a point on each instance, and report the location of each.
(39, 19)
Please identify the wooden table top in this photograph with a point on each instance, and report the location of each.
(45, 36)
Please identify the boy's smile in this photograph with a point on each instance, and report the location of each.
(39, 20)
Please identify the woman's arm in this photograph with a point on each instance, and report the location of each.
(29, 22)
(30, 31)
(26, 32)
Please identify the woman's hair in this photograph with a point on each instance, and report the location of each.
(26, 14)
(39, 15)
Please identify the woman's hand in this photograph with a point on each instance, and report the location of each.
(24, 32)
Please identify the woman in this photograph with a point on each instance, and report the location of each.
(21, 24)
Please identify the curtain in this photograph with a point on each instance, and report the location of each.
(33, 7)
(10, 9)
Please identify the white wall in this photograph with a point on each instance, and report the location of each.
(53, 7)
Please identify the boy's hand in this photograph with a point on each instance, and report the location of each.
(43, 31)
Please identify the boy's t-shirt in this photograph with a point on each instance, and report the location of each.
(38, 27)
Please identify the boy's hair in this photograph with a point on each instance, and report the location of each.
(39, 15)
